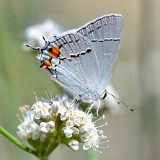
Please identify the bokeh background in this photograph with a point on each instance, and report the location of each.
(134, 136)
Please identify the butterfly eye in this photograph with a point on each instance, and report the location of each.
(54, 52)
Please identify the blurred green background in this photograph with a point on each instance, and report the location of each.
(134, 136)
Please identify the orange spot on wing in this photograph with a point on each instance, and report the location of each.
(54, 52)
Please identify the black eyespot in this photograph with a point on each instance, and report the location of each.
(88, 50)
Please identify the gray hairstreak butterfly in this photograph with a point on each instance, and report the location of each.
(82, 60)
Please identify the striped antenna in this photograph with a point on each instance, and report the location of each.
(121, 102)
(38, 48)
(34, 48)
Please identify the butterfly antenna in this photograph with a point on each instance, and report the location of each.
(34, 48)
(37, 48)
(121, 102)
(44, 39)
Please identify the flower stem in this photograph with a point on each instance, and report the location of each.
(92, 155)
(16, 141)
(52, 148)
(44, 158)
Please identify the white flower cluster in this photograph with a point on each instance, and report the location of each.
(62, 120)
(29, 128)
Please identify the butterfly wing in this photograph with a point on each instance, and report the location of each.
(79, 71)
(105, 35)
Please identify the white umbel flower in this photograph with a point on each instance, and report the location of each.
(90, 139)
(59, 120)
(74, 144)
(41, 110)
(28, 128)
(47, 127)
(70, 129)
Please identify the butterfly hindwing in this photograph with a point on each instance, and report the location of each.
(105, 35)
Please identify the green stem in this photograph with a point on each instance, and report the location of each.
(92, 155)
(16, 141)
(52, 148)
(44, 158)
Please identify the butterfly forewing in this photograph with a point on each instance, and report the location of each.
(79, 70)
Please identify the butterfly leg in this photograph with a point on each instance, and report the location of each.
(76, 99)
(97, 104)
(91, 105)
